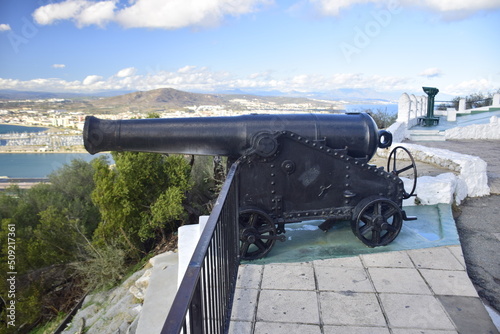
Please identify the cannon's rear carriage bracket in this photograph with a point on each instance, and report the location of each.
(292, 168)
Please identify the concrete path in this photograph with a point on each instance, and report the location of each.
(477, 220)
(405, 292)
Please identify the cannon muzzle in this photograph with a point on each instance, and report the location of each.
(234, 136)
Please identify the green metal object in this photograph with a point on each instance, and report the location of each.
(430, 119)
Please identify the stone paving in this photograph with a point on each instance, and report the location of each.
(405, 292)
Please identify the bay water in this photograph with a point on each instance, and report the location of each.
(390, 108)
(35, 165)
(38, 165)
(10, 128)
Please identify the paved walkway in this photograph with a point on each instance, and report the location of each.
(405, 292)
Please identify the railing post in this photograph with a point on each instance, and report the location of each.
(196, 311)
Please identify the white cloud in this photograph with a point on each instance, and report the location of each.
(99, 13)
(186, 69)
(58, 66)
(449, 8)
(461, 5)
(126, 72)
(432, 72)
(91, 79)
(4, 27)
(192, 78)
(83, 12)
(65, 10)
(170, 14)
(471, 86)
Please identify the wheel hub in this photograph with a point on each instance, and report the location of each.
(380, 223)
(249, 235)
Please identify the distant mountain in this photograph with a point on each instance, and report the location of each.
(346, 94)
(110, 93)
(7, 94)
(163, 97)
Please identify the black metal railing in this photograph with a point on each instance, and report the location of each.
(204, 299)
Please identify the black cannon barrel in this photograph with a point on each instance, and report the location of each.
(231, 136)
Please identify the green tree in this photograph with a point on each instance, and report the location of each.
(56, 239)
(75, 183)
(140, 199)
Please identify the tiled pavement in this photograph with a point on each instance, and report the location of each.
(405, 292)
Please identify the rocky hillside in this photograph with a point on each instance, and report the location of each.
(163, 97)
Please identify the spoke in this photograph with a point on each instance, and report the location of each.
(405, 169)
(260, 244)
(377, 208)
(266, 229)
(394, 163)
(389, 213)
(366, 218)
(252, 220)
(365, 229)
(391, 228)
(376, 237)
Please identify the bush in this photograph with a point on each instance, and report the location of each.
(382, 117)
(103, 268)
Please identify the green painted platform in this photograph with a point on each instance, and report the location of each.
(434, 227)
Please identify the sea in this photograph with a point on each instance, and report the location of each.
(9, 128)
(35, 165)
(390, 108)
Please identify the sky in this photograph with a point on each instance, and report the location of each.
(291, 46)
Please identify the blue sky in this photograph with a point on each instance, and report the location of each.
(252, 45)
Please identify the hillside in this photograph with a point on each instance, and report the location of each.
(163, 97)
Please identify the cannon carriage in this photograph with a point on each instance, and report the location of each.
(292, 168)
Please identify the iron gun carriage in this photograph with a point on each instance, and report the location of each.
(292, 168)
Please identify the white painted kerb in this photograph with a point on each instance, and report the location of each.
(472, 179)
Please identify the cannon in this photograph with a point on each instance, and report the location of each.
(292, 168)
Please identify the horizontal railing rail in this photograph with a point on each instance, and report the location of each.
(204, 299)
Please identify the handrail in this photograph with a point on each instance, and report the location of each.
(204, 299)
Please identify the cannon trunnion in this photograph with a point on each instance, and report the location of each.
(292, 168)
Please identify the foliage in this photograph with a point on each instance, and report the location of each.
(50, 326)
(103, 267)
(382, 117)
(140, 199)
(55, 239)
(207, 176)
(52, 224)
(475, 100)
(75, 182)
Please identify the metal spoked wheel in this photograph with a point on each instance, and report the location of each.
(395, 168)
(377, 221)
(257, 234)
